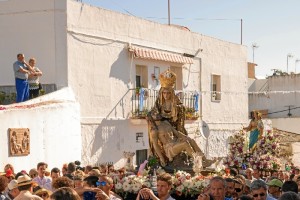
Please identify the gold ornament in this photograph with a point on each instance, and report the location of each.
(167, 79)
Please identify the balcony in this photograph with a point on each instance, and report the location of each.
(143, 99)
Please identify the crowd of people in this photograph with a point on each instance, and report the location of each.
(97, 183)
(253, 185)
(26, 78)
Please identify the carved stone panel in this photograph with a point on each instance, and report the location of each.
(19, 141)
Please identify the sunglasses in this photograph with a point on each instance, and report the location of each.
(238, 189)
(101, 183)
(261, 194)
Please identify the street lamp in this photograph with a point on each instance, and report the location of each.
(297, 60)
(287, 61)
(254, 46)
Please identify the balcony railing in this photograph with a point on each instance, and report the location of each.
(143, 99)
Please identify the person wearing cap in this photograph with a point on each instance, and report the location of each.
(238, 187)
(275, 186)
(25, 185)
(13, 190)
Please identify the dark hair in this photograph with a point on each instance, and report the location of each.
(41, 164)
(24, 187)
(19, 174)
(257, 184)
(289, 196)
(292, 176)
(233, 171)
(77, 162)
(61, 182)
(71, 167)
(290, 186)
(55, 170)
(91, 181)
(229, 180)
(3, 183)
(65, 193)
(166, 177)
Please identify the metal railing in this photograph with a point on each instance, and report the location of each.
(143, 99)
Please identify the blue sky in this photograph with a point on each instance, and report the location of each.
(274, 25)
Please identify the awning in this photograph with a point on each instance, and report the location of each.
(159, 55)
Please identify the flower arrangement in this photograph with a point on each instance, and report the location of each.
(191, 114)
(131, 184)
(185, 184)
(265, 156)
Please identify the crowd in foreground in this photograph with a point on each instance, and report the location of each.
(73, 182)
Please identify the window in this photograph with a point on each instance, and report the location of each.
(141, 76)
(141, 156)
(138, 81)
(216, 88)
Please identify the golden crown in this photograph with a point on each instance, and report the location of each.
(167, 79)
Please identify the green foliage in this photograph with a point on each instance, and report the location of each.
(140, 114)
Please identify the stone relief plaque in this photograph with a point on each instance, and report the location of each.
(19, 141)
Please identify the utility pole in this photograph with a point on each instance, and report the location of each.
(169, 18)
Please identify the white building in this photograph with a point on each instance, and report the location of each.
(102, 55)
(279, 96)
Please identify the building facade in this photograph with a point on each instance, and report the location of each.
(104, 56)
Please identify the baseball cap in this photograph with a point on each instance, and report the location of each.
(12, 184)
(275, 182)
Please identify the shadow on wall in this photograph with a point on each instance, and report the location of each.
(106, 143)
(121, 68)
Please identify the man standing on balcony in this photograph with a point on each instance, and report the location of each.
(21, 71)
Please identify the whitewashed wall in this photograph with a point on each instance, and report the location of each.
(54, 131)
(37, 29)
(284, 91)
(290, 125)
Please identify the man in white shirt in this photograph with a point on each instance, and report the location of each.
(41, 179)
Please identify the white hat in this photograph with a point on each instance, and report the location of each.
(12, 184)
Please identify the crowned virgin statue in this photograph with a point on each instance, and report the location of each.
(167, 135)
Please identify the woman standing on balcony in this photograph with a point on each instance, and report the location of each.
(34, 80)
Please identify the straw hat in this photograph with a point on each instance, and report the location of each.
(24, 180)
